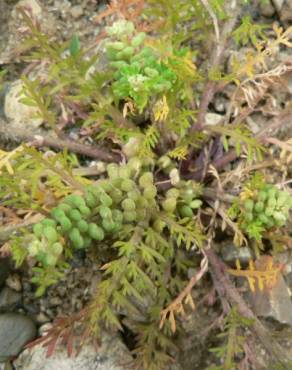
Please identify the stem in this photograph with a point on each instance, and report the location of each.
(216, 60)
(230, 156)
(43, 139)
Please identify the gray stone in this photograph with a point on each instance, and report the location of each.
(76, 11)
(278, 4)
(274, 303)
(213, 119)
(18, 112)
(9, 299)
(267, 9)
(13, 282)
(33, 6)
(230, 253)
(15, 331)
(111, 355)
(4, 270)
(286, 11)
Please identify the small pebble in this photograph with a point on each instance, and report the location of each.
(13, 282)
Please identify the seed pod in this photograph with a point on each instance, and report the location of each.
(172, 193)
(65, 223)
(142, 202)
(108, 225)
(85, 211)
(186, 211)
(57, 248)
(117, 216)
(128, 205)
(38, 230)
(118, 226)
(126, 53)
(262, 195)
(112, 170)
(138, 39)
(116, 183)
(49, 222)
(50, 260)
(248, 216)
(188, 195)
(279, 216)
(75, 215)
(248, 205)
(124, 172)
(259, 206)
(105, 212)
(87, 241)
(130, 216)
(116, 195)
(269, 211)
(150, 192)
(128, 185)
(135, 164)
(144, 54)
(134, 195)
(169, 205)
(146, 179)
(94, 190)
(82, 226)
(164, 162)
(76, 238)
(95, 232)
(272, 203)
(159, 225)
(64, 207)
(141, 214)
(57, 214)
(106, 200)
(263, 218)
(105, 185)
(195, 203)
(272, 192)
(51, 234)
(75, 200)
(117, 45)
(282, 198)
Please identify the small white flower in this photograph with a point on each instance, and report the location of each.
(137, 81)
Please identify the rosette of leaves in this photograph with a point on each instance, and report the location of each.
(140, 72)
(266, 208)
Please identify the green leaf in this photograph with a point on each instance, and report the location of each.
(74, 46)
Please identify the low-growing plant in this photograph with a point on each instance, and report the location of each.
(260, 208)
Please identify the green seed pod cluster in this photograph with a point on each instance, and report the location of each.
(46, 246)
(139, 73)
(123, 45)
(183, 199)
(127, 196)
(269, 207)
